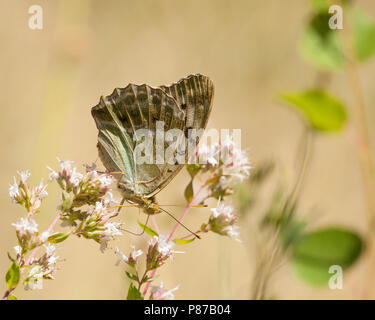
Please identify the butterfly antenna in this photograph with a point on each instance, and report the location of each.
(138, 234)
(180, 223)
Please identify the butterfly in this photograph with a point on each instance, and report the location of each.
(183, 105)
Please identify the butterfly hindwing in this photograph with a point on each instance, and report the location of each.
(194, 94)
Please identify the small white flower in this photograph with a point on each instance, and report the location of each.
(14, 191)
(168, 295)
(109, 200)
(52, 259)
(35, 278)
(98, 207)
(111, 229)
(158, 293)
(133, 255)
(227, 143)
(44, 236)
(53, 174)
(24, 225)
(233, 232)
(50, 249)
(136, 253)
(65, 165)
(164, 246)
(208, 154)
(75, 177)
(121, 257)
(41, 190)
(36, 272)
(105, 180)
(17, 250)
(24, 175)
(223, 210)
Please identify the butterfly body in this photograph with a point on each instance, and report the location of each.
(182, 105)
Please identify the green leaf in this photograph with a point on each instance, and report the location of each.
(364, 34)
(148, 230)
(67, 203)
(321, 5)
(193, 169)
(183, 241)
(320, 45)
(10, 257)
(12, 297)
(13, 275)
(134, 294)
(314, 253)
(131, 276)
(58, 237)
(322, 111)
(189, 192)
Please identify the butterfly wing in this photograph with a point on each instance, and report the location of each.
(194, 94)
(119, 115)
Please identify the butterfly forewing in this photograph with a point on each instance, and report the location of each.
(183, 105)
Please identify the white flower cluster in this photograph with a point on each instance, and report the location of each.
(22, 194)
(42, 268)
(226, 166)
(222, 221)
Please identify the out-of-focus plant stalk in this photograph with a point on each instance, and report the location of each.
(270, 255)
(363, 146)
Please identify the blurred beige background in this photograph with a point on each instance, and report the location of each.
(51, 78)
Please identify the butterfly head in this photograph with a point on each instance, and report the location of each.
(150, 206)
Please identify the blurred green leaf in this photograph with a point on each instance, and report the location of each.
(133, 293)
(12, 297)
(189, 192)
(321, 45)
(58, 237)
(183, 241)
(364, 34)
(245, 197)
(291, 232)
(148, 230)
(322, 112)
(321, 5)
(314, 253)
(13, 275)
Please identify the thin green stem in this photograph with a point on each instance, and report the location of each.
(366, 162)
(306, 143)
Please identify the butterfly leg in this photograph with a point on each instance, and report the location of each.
(120, 206)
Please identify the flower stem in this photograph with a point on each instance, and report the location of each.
(366, 162)
(188, 206)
